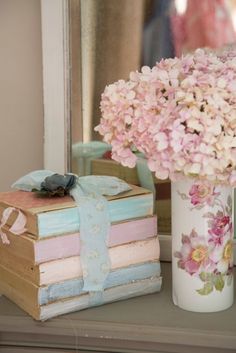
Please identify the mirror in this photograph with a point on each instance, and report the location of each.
(76, 25)
(110, 38)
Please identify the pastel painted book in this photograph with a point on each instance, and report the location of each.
(84, 301)
(68, 268)
(37, 296)
(103, 166)
(67, 245)
(56, 216)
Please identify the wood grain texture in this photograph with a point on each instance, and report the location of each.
(9, 349)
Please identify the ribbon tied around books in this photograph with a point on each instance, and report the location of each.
(94, 219)
(18, 226)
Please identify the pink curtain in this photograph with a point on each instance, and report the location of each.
(206, 23)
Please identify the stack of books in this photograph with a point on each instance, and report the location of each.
(40, 270)
(102, 166)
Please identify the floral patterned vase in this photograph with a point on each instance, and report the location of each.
(202, 245)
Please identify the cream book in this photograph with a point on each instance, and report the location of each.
(68, 268)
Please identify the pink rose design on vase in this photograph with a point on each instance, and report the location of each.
(202, 192)
(220, 224)
(222, 255)
(194, 254)
(212, 264)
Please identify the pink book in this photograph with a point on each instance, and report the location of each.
(43, 250)
(125, 255)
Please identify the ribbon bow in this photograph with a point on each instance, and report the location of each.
(94, 221)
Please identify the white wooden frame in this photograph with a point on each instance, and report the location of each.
(56, 88)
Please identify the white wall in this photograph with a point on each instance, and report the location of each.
(21, 90)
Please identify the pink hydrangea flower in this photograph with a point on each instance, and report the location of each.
(180, 114)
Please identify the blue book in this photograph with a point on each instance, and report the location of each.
(73, 287)
(121, 284)
(56, 216)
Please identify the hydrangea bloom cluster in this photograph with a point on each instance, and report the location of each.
(181, 114)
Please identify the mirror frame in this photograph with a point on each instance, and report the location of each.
(56, 84)
(57, 94)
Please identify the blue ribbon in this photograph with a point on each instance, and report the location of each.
(94, 222)
(94, 226)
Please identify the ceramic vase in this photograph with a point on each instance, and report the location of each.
(202, 245)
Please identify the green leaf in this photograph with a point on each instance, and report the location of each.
(205, 277)
(208, 215)
(219, 282)
(183, 196)
(207, 289)
(229, 279)
(185, 239)
(192, 175)
(177, 254)
(229, 201)
(228, 210)
(219, 214)
(198, 207)
(180, 265)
